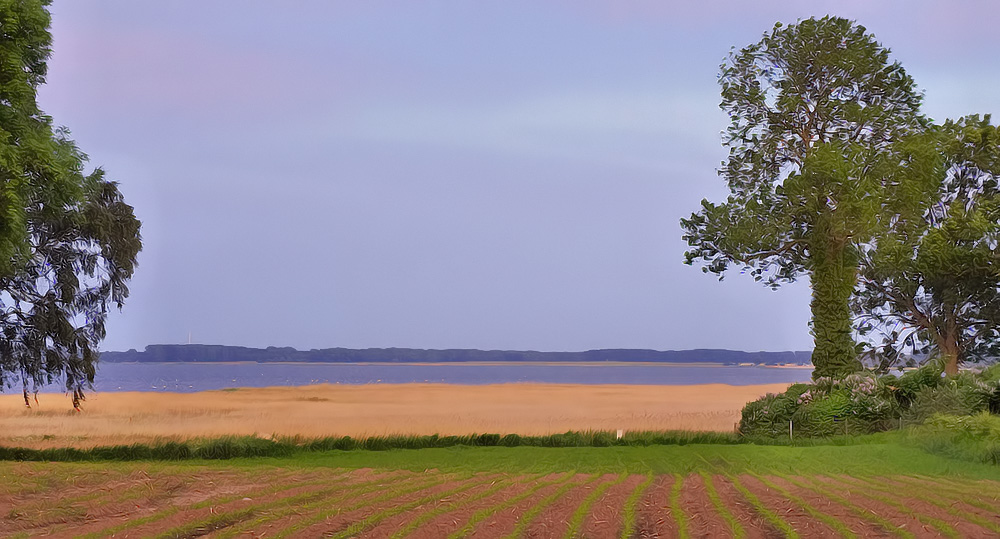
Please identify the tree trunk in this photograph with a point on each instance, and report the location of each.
(948, 348)
(834, 276)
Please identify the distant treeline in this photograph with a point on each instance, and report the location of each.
(170, 353)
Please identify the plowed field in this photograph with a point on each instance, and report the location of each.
(69, 500)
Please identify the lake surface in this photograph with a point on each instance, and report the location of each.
(187, 377)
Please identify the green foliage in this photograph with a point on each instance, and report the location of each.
(865, 403)
(818, 115)
(768, 416)
(969, 437)
(963, 395)
(929, 281)
(68, 241)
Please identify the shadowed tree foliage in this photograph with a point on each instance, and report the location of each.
(818, 119)
(930, 282)
(68, 241)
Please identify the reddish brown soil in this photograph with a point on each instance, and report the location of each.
(389, 526)
(964, 527)
(345, 499)
(136, 494)
(554, 520)
(789, 511)
(502, 523)
(50, 500)
(703, 520)
(755, 526)
(971, 491)
(605, 518)
(444, 525)
(899, 518)
(245, 497)
(653, 518)
(859, 526)
(339, 522)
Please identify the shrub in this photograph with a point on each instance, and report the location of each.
(960, 396)
(863, 403)
(767, 416)
(910, 383)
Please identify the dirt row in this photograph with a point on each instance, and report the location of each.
(62, 501)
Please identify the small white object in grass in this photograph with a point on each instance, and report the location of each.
(620, 433)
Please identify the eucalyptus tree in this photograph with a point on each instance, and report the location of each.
(68, 241)
(818, 115)
(930, 282)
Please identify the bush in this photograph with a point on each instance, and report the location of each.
(864, 403)
(910, 383)
(767, 416)
(963, 395)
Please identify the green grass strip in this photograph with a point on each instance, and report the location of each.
(576, 521)
(972, 517)
(768, 515)
(429, 515)
(372, 520)
(830, 521)
(862, 512)
(531, 514)
(675, 506)
(230, 518)
(230, 447)
(939, 524)
(135, 522)
(483, 514)
(323, 497)
(734, 525)
(629, 516)
(390, 495)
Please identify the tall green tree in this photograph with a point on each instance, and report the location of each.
(68, 241)
(818, 119)
(32, 167)
(930, 282)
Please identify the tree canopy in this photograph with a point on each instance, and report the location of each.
(930, 281)
(68, 241)
(817, 143)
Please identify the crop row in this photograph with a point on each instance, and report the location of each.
(188, 502)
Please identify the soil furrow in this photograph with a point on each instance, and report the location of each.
(653, 518)
(339, 521)
(553, 521)
(702, 519)
(448, 523)
(605, 518)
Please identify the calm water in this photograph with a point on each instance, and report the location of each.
(199, 377)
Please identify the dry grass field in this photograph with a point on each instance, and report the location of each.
(371, 410)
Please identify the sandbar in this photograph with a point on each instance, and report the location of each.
(367, 410)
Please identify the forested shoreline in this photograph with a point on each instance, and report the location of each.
(201, 353)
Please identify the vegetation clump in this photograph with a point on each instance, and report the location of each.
(865, 402)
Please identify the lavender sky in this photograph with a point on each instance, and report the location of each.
(497, 175)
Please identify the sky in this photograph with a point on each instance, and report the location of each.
(493, 175)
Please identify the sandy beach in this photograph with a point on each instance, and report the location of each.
(337, 410)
